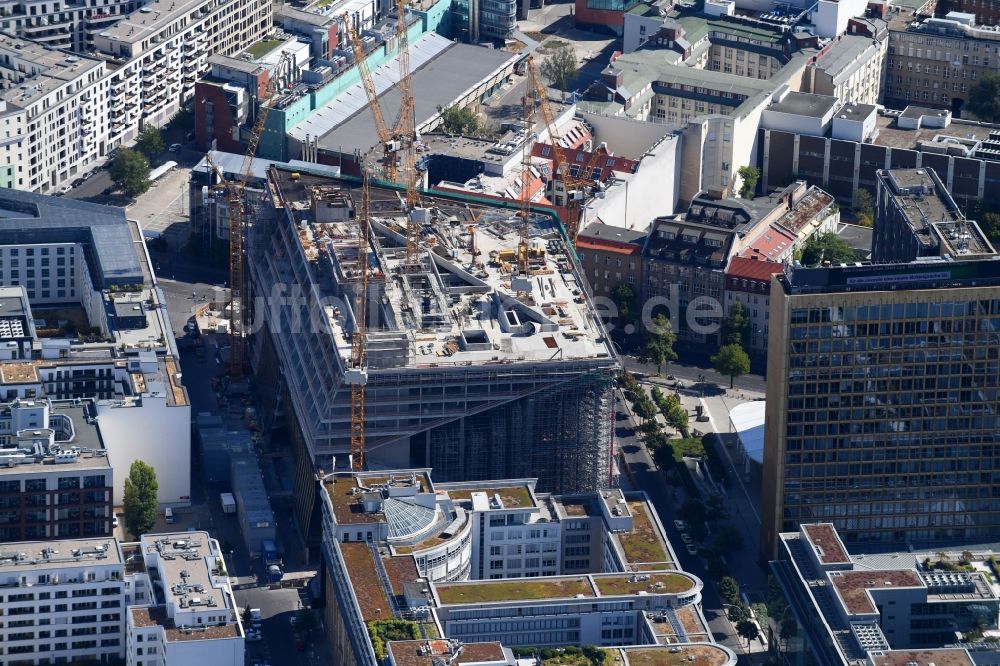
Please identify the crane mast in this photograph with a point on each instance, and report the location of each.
(237, 231)
(357, 374)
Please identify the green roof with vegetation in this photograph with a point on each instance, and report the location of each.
(513, 497)
(643, 543)
(666, 583)
(524, 589)
(263, 47)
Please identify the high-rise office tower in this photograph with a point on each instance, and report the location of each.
(884, 384)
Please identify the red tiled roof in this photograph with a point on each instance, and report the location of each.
(753, 269)
(583, 158)
(771, 244)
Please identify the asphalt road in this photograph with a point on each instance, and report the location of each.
(666, 500)
(695, 365)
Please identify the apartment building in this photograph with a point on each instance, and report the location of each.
(748, 282)
(891, 608)
(612, 580)
(62, 24)
(157, 52)
(836, 386)
(55, 477)
(611, 256)
(63, 601)
(53, 113)
(934, 62)
(163, 601)
(850, 68)
(433, 362)
(191, 616)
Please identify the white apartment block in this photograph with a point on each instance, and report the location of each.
(62, 113)
(158, 52)
(81, 600)
(850, 69)
(62, 601)
(63, 24)
(194, 618)
(54, 113)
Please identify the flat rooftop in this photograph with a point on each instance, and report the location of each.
(678, 655)
(368, 589)
(346, 491)
(442, 72)
(416, 653)
(49, 69)
(518, 589)
(156, 616)
(805, 104)
(644, 545)
(853, 586)
(457, 308)
(67, 553)
(511, 497)
(827, 543)
(185, 561)
(942, 657)
(150, 18)
(653, 583)
(70, 421)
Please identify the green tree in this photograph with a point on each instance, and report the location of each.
(727, 539)
(560, 67)
(150, 143)
(827, 247)
(645, 408)
(738, 612)
(715, 508)
(864, 207)
(660, 340)
(459, 120)
(183, 120)
(140, 498)
(733, 361)
(675, 414)
(130, 172)
(728, 589)
(748, 630)
(750, 176)
(624, 298)
(984, 97)
(692, 511)
(736, 325)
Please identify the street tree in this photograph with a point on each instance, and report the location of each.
(736, 325)
(733, 361)
(748, 629)
(727, 539)
(140, 499)
(130, 172)
(715, 508)
(751, 176)
(675, 414)
(728, 589)
(150, 142)
(459, 120)
(560, 67)
(738, 612)
(984, 97)
(645, 408)
(692, 511)
(660, 340)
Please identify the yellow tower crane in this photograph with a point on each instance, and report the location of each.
(357, 372)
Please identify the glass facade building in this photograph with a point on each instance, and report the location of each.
(882, 413)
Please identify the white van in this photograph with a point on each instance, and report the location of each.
(168, 515)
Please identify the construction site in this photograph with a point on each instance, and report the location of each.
(474, 369)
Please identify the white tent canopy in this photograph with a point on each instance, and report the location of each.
(747, 421)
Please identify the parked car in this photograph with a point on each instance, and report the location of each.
(686, 538)
(692, 549)
(253, 635)
(174, 147)
(679, 524)
(114, 522)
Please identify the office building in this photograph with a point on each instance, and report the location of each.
(880, 391)
(844, 153)
(454, 365)
(935, 62)
(893, 608)
(850, 68)
(497, 563)
(478, 21)
(916, 217)
(55, 477)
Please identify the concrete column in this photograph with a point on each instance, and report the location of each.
(857, 168)
(981, 190)
(795, 156)
(767, 153)
(826, 163)
(951, 172)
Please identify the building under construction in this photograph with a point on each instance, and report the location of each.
(465, 375)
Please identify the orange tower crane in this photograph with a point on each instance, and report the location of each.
(238, 227)
(357, 372)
